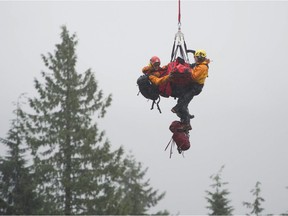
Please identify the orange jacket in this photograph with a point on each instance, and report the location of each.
(157, 80)
(149, 69)
(200, 72)
(154, 76)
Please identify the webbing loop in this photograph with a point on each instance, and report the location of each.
(179, 41)
(157, 104)
(172, 142)
(179, 45)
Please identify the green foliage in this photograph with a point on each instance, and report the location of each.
(165, 212)
(75, 170)
(62, 136)
(256, 204)
(217, 199)
(137, 195)
(16, 182)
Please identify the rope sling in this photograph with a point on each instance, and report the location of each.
(179, 41)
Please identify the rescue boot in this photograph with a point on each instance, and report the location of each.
(185, 127)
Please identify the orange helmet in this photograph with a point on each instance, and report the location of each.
(155, 61)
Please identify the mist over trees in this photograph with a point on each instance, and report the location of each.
(218, 201)
(255, 206)
(72, 169)
(60, 162)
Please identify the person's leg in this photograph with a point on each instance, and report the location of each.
(183, 102)
(182, 111)
(181, 108)
(185, 96)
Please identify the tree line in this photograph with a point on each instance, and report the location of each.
(59, 162)
(71, 167)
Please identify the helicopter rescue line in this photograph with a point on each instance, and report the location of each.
(180, 80)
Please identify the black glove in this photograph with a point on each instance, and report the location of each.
(180, 60)
(192, 65)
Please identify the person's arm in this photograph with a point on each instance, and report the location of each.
(199, 73)
(156, 80)
(147, 69)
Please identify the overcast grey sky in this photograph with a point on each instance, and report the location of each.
(241, 115)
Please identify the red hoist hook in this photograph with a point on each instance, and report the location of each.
(179, 42)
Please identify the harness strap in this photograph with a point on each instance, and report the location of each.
(172, 53)
(179, 40)
(179, 44)
(172, 142)
(157, 104)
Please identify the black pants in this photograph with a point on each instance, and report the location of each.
(185, 94)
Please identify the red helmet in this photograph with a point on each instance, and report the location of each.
(154, 60)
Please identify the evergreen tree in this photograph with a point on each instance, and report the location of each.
(138, 196)
(16, 182)
(127, 193)
(256, 205)
(217, 199)
(77, 173)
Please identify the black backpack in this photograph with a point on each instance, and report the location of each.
(149, 90)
